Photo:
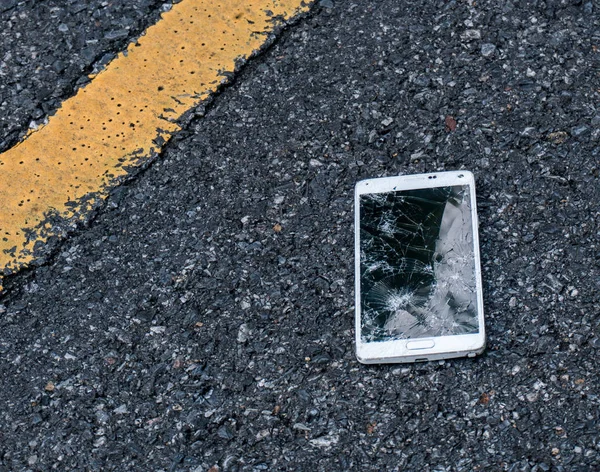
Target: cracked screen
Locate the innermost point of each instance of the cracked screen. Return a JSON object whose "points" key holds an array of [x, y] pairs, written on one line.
{"points": [[417, 264]]}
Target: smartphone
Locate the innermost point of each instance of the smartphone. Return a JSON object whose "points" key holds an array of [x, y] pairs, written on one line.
{"points": [[418, 276]]}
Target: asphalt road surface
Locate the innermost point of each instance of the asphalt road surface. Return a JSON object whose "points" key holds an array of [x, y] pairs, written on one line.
{"points": [[204, 319]]}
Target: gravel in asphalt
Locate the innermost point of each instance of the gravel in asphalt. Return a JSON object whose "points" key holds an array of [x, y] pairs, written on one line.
{"points": [[204, 321]]}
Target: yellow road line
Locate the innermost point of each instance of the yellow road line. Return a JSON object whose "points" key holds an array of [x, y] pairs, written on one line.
{"points": [[123, 116]]}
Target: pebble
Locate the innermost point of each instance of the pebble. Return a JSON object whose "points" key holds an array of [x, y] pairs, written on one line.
{"points": [[488, 49], [225, 432], [102, 416], [116, 34], [579, 131], [121, 410], [301, 427], [244, 333], [325, 441], [6, 5], [529, 237], [471, 34]]}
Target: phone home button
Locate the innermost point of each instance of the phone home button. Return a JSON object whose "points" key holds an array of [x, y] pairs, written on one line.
{"points": [[426, 344]]}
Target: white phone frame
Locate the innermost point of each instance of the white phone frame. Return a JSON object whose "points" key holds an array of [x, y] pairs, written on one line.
{"points": [[444, 347]]}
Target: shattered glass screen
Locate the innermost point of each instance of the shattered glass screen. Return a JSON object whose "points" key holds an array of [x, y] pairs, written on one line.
{"points": [[417, 264]]}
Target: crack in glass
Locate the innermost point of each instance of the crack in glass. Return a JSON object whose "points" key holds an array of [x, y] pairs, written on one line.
{"points": [[417, 264]]}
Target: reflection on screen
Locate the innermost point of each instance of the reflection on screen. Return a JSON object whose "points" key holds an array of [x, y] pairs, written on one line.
{"points": [[417, 264]]}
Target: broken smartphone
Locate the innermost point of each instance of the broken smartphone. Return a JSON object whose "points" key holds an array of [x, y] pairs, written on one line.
{"points": [[418, 276]]}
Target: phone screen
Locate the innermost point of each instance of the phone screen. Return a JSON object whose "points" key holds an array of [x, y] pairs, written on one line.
{"points": [[417, 264]]}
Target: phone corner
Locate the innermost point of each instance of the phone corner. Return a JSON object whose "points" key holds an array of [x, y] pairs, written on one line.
{"points": [[467, 176], [483, 344], [360, 358], [359, 185], [481, 349]]}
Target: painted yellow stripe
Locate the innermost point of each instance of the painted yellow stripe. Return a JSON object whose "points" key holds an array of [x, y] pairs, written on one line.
{"points": [[124, 115]]}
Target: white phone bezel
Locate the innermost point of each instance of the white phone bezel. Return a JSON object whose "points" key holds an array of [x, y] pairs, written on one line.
{"points": [[444, 346]]}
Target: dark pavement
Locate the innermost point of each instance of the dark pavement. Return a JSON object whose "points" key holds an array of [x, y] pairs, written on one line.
{"points": [[205, 318]]}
